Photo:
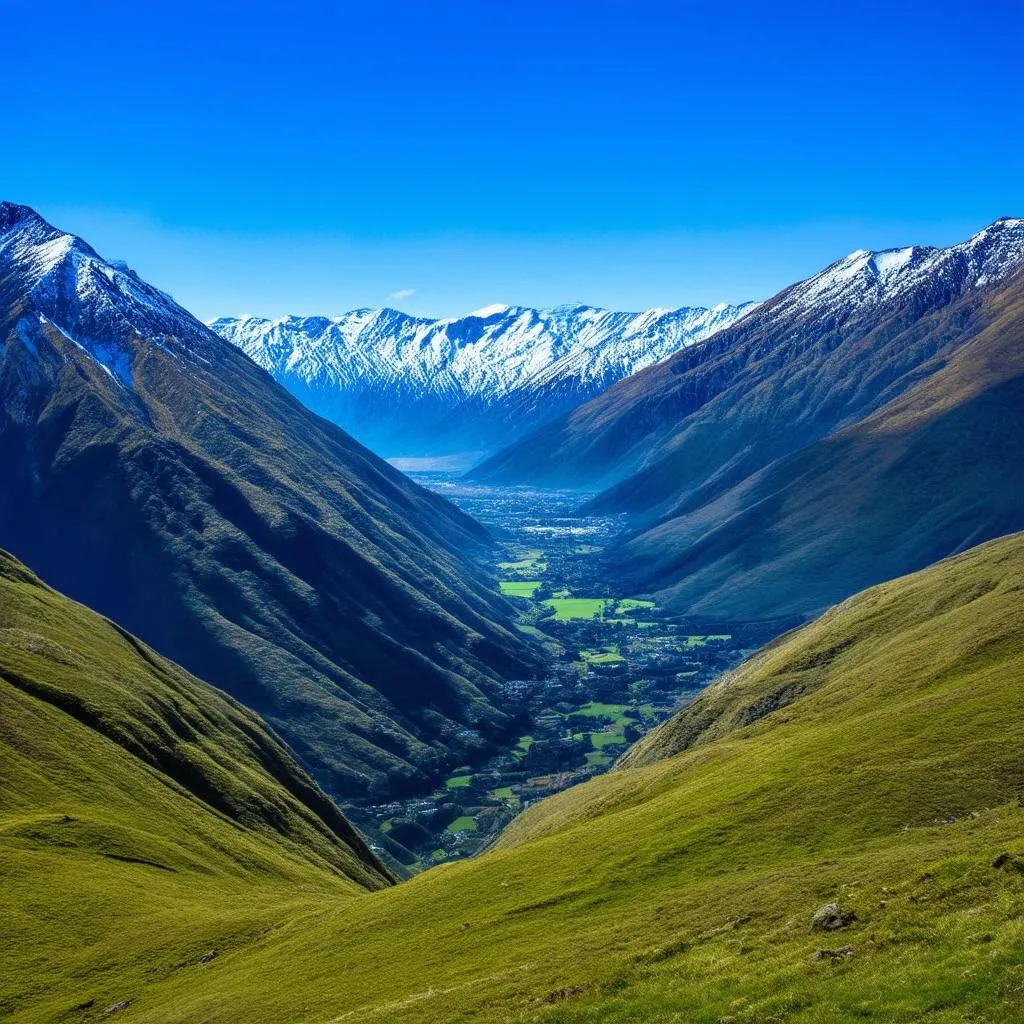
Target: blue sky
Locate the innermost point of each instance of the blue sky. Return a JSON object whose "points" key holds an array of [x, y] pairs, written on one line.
{"points": [[440, 156]]}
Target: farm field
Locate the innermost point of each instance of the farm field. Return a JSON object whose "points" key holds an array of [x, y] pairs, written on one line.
{"points": [[567, 608], [519, 588]]}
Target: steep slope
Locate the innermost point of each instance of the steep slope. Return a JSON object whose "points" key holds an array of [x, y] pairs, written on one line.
{"points": [[408, 386], [155, 473], [139, 805], [821, 355], [933, 471], [871, 758]]}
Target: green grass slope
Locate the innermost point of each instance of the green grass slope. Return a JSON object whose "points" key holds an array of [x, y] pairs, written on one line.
{"points": [[874, 758], [933, 471], [146, 819]]}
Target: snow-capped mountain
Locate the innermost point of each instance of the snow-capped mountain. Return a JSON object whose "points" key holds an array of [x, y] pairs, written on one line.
{"points": [[864, 280], [820, 355], [97, 305], [406, 385], [153, 472]]}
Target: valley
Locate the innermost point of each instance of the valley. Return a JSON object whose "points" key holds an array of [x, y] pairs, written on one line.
{"points": [[512, 514], [619, 665]]}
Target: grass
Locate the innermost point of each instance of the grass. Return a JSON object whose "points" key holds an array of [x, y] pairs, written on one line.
{"points": [[520, 588], [630, 604], [609, 738], [567, 608], [872, 758], [145, 818], [523, 745], [459, 781], [531, 563], [596, 709], [464, 823], [609, 656], [690, 642], [525, 627]]}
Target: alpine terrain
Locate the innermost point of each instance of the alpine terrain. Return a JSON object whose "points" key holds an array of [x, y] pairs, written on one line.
{"points": [[859, 425], [155, 473], [408, 386]]}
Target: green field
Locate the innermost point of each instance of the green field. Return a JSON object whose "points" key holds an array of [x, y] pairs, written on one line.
{"points": [[524, 744], [596, 709], [459, 781], [701, 641], [630, 604], [463, 824], [520, 588], [567, 608], [605, 657], [532, 561]]}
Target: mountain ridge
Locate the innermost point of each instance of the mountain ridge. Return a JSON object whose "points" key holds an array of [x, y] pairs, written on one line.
{"points": [[788, 340], [410, 385]]}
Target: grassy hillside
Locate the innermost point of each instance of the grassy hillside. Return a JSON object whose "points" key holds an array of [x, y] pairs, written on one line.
{"points": [[933, 471], [872, 758], [146, 819]]}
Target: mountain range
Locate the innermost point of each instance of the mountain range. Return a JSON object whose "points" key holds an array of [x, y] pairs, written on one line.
{"points": [[409, 386], [155, 473], [859, 425]]}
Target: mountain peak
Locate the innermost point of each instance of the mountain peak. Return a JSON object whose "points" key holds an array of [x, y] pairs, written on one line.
{"points": [[16, 215], [102, 308], [486, 312]]}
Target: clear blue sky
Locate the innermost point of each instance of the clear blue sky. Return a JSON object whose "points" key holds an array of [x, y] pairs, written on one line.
{"points": [[313, 157]]}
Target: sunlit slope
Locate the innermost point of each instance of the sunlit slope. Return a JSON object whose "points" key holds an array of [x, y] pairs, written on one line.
{"points": [[146, 819], [887, 778]]}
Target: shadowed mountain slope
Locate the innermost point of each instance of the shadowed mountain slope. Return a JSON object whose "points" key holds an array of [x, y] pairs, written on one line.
{"points": [[155, 473], [871, 758], [860, 425]]}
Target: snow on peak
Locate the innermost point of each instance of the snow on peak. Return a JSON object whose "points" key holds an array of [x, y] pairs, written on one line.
{"points": [[864, 279], [488, 353], [103, 308], [891, 261], [496, 309]]}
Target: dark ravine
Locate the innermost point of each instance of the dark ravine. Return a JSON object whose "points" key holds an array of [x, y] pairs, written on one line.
{"points": [[158, 475]]}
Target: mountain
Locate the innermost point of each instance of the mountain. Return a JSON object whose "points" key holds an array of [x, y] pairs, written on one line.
{"points": [[408, 386], [870, 759], [776, 468], [155, 473], [932, 472], [139, 804]]}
